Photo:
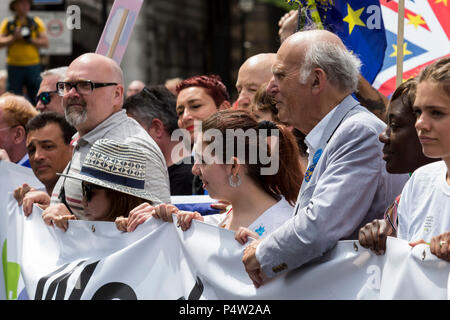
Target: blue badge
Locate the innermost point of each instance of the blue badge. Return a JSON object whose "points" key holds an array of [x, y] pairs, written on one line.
{"points": [[260, 230], [317, 156], [313, 165]]}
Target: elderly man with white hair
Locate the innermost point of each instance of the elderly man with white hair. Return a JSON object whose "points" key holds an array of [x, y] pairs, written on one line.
{"points": [[346, 184]]}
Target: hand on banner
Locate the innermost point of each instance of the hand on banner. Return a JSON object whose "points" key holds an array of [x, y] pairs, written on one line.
{"points": [[62, 222], [242, 234], [374, 234], [164, 212], [287, 24], [54, 211], [121, 223], [252, 265], [41, 198], [137, 216], [20, 192], [184, 219], [439, 246]]}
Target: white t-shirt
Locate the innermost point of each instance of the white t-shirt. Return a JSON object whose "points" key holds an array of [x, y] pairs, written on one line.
{"points": [[424, 208], [267, 222]]}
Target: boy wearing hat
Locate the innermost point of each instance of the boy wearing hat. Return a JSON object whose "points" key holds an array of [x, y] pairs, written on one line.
{"points": [[23, 35]]}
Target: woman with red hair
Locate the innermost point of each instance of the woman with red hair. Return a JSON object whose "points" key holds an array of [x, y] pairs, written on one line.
{"points": [[198, 98]]}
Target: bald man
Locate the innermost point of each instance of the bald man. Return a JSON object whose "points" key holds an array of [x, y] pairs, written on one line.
{"points": [[134, 87], [346, 184], [92, 93], [254, 72]]}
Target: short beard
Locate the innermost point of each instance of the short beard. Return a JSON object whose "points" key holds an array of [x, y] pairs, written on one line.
{"points": [[75, 118]]}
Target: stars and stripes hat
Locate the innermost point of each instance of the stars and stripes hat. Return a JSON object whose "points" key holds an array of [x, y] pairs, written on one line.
{"points": [[115, 166]]}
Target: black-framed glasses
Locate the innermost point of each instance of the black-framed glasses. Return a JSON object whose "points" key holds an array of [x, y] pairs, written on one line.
{"points": [[88, 188], [84, 87], [45, 97]]}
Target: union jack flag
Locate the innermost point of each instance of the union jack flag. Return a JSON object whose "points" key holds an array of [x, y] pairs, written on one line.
{"points": [[426, 39]]}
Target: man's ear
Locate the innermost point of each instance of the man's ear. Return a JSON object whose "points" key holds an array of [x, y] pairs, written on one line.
{"points": [[119, 95], [157, 128], [20, 135], [225, 105], [319, 77]]}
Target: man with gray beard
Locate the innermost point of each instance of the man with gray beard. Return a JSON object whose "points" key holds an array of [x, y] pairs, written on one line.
{"points": [[92, 94], [73, 116]]}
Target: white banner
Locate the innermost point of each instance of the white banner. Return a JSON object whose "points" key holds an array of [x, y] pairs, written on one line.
{"points": [[11, 176], [93, 260]]}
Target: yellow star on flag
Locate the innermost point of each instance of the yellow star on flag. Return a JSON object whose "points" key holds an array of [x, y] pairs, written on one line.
{"points": [[416, 21], [443, 1], [405, 51], [353, 18]]}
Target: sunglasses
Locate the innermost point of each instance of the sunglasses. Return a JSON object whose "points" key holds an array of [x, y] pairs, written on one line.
{"points": [[45, 97], [88, 190]]}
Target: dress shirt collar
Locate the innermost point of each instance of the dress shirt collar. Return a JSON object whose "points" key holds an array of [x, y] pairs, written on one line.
{"points": [[328, 125], [313, 138]]}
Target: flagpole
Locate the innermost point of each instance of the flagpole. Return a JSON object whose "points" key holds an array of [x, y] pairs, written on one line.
{"points": [[400, 41]]}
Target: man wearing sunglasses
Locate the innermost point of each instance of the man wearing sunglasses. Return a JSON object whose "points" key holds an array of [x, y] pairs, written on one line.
{"points": [[48, 98], [92, 96]]}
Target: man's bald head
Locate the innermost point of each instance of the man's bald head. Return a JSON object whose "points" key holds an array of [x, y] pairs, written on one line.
{"points": [[261, 62], [97, 65], [254, 72], [134, 87], [310, 36]]}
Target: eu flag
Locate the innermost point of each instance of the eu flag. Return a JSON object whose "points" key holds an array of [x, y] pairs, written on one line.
{"points": [[359, 24]]}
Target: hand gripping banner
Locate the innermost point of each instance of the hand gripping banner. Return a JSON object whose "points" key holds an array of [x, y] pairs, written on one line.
{"points": [[94, 260]]}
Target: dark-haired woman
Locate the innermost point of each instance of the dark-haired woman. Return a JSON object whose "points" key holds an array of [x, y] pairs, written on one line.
{"points": [[262, 193]]}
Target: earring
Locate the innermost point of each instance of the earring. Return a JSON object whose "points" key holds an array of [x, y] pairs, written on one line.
{"points": [[232, 183]]}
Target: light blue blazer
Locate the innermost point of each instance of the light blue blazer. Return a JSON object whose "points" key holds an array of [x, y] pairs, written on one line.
{"points": [[348, 188]]}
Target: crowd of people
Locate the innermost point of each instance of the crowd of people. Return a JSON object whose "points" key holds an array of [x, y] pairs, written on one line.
{"points": [[343, 169]]}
